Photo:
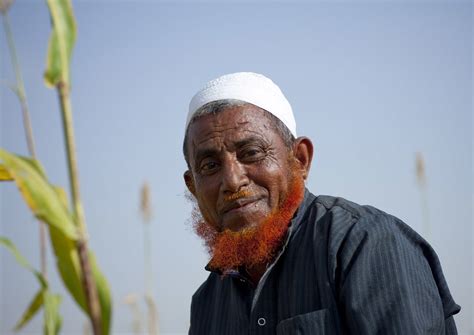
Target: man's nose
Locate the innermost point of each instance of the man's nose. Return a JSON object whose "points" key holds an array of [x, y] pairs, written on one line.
{"points": [[234, 176]]}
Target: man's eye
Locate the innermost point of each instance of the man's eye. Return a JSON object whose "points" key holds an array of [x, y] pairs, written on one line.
{"points": [[252, 153], [208, 166]]}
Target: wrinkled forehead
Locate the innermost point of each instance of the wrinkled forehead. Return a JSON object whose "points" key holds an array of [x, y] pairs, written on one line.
{"points": [[229, 124]]}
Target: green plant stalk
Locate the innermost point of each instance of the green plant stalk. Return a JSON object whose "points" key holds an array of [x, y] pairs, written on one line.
{"points": [[90, 288], [20, 91]]}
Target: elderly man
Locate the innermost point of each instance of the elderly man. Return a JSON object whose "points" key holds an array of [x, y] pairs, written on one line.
{"points": [[283, 261]]}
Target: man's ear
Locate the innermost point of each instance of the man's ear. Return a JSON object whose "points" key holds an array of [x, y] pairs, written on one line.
{"points": [[189, 181], [303, 153]]}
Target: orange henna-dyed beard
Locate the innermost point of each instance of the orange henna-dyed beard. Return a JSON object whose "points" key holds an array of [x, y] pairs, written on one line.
{"points": [[251, 246]]}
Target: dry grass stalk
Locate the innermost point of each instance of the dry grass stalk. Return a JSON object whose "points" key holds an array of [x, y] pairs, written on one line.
{"points": [[5, 5], [152, 315], [420, 170], [146, 212], [132, 301], [422, 183], [145, 205]]}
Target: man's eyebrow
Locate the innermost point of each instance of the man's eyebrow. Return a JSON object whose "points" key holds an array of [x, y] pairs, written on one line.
{"points": [[204, 152], [207, 152], [248, 140]]}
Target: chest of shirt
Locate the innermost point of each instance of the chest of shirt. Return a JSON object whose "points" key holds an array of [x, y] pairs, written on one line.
{"points": [[291, 298]]}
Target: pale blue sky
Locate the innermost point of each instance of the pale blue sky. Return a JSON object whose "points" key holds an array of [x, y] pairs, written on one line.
{"points": [[370, 82]]}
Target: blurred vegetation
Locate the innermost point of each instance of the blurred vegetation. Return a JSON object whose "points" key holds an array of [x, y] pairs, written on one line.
{"points": [[146, 211], [422, 185], [133, 299], [65, 222]]}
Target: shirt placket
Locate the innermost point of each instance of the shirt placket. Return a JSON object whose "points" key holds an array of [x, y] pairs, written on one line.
{"points": [[262, 316]]}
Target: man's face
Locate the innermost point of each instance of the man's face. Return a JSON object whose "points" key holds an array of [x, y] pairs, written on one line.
{"points": [[240, 167]]}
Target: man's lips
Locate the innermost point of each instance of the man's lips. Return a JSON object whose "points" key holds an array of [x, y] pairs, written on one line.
{"points": [[239, 203]]}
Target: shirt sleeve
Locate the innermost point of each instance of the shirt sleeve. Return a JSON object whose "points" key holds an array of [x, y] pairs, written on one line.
{"points": [[389, 282]]}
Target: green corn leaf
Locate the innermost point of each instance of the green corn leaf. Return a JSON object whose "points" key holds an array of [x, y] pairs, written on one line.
{"points": [[16, 253], [62, 196], [32, 309], [52, 319], [4, 175], [61, 42], [42, 298], [37, 301], [69, 266], [40, 196], [22, 260], [68, 263], [103, 291]]}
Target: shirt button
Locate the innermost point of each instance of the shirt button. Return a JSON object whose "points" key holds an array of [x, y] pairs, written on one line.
{"points": [[261, 322]]}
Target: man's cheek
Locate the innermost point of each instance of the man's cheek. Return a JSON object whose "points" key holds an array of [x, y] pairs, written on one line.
{"points": [[208, 214]]}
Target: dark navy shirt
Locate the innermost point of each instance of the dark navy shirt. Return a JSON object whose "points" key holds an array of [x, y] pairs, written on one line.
{"points": [[344, 269]]}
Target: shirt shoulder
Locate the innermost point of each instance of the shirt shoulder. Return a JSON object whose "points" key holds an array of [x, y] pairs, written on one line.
{"points": [[338, 219], [347, 225], [353, 230], [347, 222], [207, 287], [341, 218], [336, 204]]}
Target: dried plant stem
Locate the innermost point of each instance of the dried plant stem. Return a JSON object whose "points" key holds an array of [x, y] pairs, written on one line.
{"points": [[152, 315], [425, 213], [145, 206], [422, 184], [131, 300], [20, 92], [87, 278], [147, 249], [152, 312]]}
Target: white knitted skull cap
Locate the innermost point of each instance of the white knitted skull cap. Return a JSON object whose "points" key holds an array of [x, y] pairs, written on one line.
{"points": [[250, 87]]}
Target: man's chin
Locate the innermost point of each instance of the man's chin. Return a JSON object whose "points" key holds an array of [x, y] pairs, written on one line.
{"points": [[247, 244], [247, 217], [241, 223]]}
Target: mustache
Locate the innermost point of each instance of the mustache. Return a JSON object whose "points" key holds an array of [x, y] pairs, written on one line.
{"points": [[238, 195]]}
